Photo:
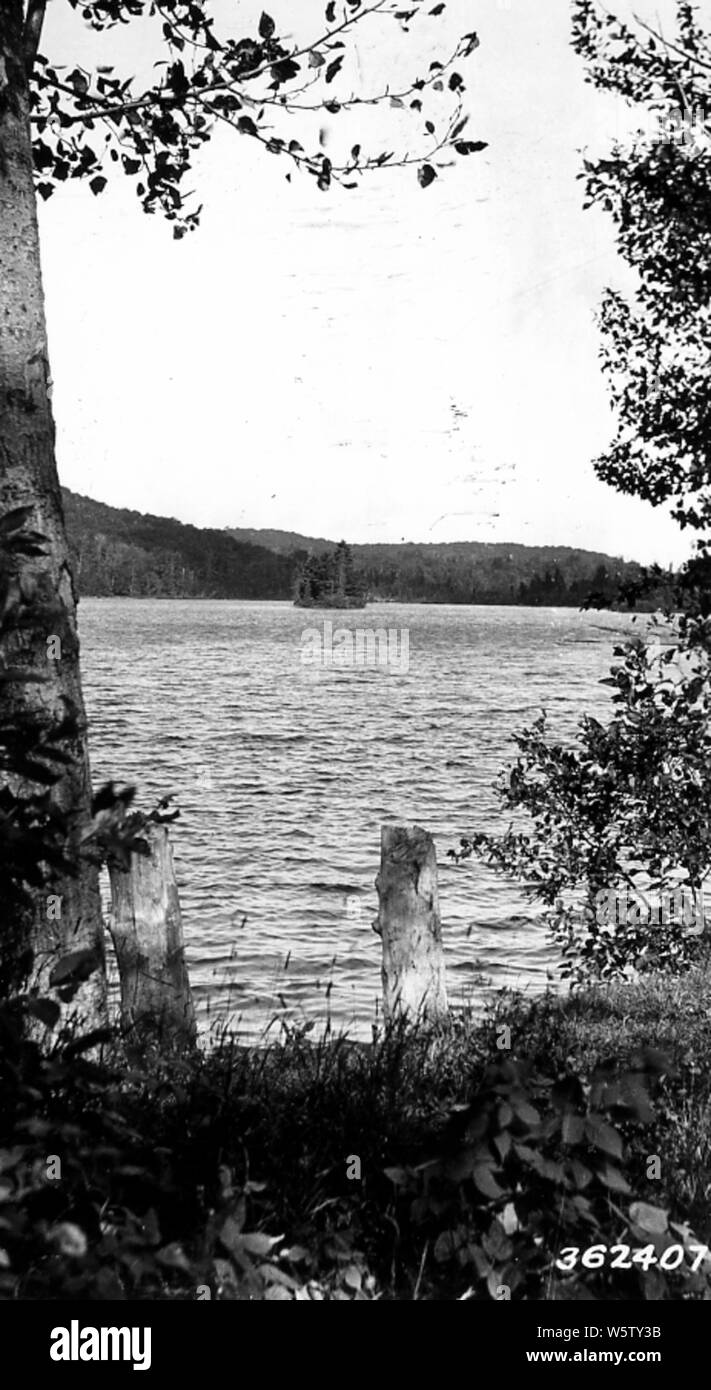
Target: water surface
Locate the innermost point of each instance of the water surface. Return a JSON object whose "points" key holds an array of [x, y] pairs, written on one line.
{"points": [[284, 773]]}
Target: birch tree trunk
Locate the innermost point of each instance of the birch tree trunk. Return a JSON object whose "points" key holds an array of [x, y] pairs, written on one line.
{"points": [[38, 630]]}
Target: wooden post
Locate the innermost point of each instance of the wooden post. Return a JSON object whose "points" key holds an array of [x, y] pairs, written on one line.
{"points": [[147, 931], [409, 924]]}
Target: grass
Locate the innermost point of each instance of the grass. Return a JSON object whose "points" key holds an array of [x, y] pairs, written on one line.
{"points": [[296, 1136], [293, 1114]]}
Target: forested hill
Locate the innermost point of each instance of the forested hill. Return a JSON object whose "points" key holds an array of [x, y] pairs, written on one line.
{"points": [[481, 572], [126, 553]]}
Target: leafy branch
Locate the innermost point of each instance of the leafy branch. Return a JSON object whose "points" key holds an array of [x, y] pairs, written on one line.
{"points": [[154, 134]]}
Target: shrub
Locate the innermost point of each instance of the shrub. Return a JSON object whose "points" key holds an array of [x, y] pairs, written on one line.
{"points": [[626, 807]]}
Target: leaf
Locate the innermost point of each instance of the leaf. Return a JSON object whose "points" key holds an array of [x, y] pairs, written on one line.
{"points": [[470, 146], [231, 1235], [75, 967], [572, 1128], [272, 1274], [603, 1136], [426, 175], [529, 1156], [580, 1174], [258, 1243], [651, 1219], [246, 126], [352, 1277], [486, 1182], [334, 68], [97, 184], [283, 71], [554, 1172], [316, 60], [87, 1041], [46, 1010], [296, 1254], [173, 1257], [613, 1178], [446, 1246], [496, 1243], [526, 1111], [509, 1220], [502, 1143], [224, 1273], [266, 27]]}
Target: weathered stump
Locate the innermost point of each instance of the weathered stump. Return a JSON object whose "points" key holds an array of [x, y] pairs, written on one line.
{"points": [[147, 931], [409, 924]]}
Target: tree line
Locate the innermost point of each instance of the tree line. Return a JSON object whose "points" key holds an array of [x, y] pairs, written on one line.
{"points": [[121, 553]]}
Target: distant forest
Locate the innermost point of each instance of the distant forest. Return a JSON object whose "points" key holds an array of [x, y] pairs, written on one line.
{"points": [[124, 553]]}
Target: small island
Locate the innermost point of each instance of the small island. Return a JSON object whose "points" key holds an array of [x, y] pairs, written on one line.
{"points": [[329, 581]]}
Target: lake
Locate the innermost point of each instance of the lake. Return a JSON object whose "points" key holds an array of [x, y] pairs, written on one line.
{"points": [[287, 751]]}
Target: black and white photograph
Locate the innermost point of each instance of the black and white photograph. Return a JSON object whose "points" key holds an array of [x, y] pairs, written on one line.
{"points": [[355, 669]]}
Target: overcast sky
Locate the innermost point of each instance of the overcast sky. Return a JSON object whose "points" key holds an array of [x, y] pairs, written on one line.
{"points": [[384, 364]]}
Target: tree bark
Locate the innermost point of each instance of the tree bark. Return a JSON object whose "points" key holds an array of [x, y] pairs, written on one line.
{"points": [[37, 596], [409, 924]]}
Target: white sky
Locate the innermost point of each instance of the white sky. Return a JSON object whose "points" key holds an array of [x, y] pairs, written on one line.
{"points": [[299, 360]]}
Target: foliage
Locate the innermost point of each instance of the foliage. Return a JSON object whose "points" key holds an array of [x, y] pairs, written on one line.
{"points": [[109, 1220], [86, 122], [225, 1171], [123, 553], [328, 580], [116, 551], [531, 1177], [36, 848], [627, 807], [657, 188]]}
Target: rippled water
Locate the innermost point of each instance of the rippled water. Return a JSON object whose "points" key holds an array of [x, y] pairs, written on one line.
{"points": [[284, 773]]}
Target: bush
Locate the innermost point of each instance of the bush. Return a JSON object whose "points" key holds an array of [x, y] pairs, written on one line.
{"points": [[625, 809]]}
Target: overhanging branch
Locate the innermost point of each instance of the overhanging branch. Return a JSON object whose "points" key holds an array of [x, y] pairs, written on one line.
{"points": [[673, 47]]}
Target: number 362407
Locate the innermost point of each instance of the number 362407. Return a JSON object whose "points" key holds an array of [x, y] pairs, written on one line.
{"points": [[624, 1257]]}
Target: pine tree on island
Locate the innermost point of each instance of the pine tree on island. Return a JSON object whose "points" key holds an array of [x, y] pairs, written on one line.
{"points": [[329, 581]]}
